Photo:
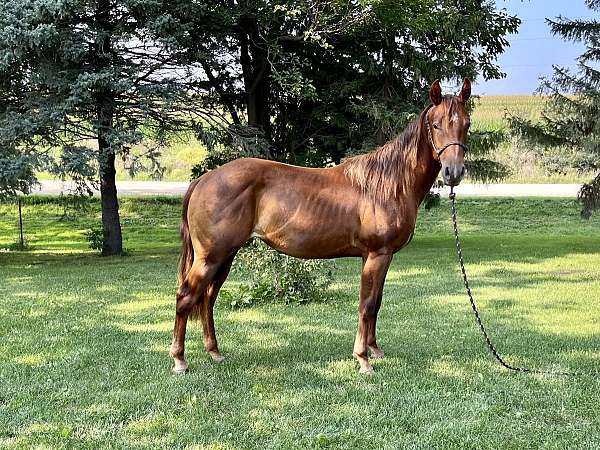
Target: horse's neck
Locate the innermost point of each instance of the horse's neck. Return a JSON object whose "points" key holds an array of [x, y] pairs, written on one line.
{"points": [[426, 172]]}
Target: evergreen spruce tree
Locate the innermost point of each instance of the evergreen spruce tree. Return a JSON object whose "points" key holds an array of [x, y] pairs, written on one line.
{"points": [[81, 81], [568, 134]]}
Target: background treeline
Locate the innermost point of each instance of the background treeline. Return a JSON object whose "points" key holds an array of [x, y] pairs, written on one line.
{"points": [[85, 83]]}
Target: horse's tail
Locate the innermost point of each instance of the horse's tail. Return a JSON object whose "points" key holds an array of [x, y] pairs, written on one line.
{"points": [[186, 258]]}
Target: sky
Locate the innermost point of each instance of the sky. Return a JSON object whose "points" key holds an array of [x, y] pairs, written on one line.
{"points": [[534, 49]]}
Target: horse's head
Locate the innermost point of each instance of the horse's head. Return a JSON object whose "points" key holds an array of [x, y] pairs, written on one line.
{"points": [[447, 123]]}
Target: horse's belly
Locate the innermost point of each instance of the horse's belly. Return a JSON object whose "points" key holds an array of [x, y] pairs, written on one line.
{"points": [[312, 246], [308, 235]]}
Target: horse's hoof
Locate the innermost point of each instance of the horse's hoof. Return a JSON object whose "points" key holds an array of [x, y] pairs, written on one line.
{"points": [[216, 357], [366, 371], [180, 368], [376, 354]]}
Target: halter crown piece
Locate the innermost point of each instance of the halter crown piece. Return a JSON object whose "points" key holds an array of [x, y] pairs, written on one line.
{"points": [[440, 150]]}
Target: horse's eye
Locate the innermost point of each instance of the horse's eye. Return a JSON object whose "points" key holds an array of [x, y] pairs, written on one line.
{"points": [[436, 126]]}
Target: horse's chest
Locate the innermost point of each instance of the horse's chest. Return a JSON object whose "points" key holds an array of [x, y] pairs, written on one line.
{"points": [[402, 235], [389, 230]]}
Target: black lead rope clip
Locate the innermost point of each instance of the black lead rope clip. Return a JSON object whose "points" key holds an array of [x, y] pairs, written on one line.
{"points": [[452, 194]]}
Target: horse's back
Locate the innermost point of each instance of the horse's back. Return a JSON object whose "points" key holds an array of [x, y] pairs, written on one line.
{"points": [[228, 180]]}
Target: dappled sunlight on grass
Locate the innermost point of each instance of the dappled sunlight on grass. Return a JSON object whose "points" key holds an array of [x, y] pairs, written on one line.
{"points": [[159, 327], [148, 424], [399, 274], [265, 340], [250, 315], [146, 303], [335, 370], [445, 368], [31, 360]]}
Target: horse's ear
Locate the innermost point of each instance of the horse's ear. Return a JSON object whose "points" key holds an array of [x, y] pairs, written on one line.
{"points": [[465, 92], [435, 93]]}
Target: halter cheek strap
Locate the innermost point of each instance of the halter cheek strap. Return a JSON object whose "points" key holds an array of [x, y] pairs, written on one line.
{"points": [[440, 150]]}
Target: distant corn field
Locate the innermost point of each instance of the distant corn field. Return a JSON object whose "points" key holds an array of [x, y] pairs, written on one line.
{"points": [[490, 114], [490, 111]]}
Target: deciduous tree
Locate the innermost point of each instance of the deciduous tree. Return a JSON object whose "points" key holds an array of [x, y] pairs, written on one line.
{"points": [[315, 80]]}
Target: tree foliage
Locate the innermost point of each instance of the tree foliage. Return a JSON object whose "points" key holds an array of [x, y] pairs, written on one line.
{"points": [[305, 81], [314, 80], [568, 134]]}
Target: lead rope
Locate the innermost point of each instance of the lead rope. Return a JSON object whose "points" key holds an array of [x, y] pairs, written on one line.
{"points": [[488, 341]]}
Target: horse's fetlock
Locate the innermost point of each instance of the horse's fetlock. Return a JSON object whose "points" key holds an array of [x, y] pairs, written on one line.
{"points": [[176, 351], [210, 345]]}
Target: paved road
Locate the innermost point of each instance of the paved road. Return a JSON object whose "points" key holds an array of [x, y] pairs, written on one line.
{"points": [[469, 190], [123, 187], [517, 190]]}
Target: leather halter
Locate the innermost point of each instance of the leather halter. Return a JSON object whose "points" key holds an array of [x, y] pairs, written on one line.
{"points": [[440, 150]]}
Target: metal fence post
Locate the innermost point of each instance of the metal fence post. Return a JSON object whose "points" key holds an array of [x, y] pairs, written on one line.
{"points": [[21, 225]]}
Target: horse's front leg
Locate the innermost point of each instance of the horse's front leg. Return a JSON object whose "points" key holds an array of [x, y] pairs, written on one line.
{"points": [[376, 352], [375, 268]]}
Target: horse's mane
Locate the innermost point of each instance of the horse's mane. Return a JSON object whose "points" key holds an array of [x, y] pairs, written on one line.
{"points": [[387, 171]]}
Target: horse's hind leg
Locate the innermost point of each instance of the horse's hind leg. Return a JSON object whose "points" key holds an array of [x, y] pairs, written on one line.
{"points": [[208, 303], [189, 295]]}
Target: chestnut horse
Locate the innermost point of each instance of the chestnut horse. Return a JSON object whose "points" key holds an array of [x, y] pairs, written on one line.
{"points": [[366, 207]]}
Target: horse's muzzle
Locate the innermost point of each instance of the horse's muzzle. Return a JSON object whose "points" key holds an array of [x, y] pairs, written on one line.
{"points": [[453, 174]]}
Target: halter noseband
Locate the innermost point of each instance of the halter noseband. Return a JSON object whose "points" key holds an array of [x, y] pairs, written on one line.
{"points": [[441, 150]]}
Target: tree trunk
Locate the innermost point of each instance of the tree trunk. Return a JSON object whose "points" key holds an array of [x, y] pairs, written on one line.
{"points": [[105, 109], [111, 223], [256, 69], [382, 135]]}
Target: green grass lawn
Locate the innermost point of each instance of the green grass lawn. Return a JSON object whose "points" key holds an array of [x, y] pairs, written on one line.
{"points": [[84, 341]]}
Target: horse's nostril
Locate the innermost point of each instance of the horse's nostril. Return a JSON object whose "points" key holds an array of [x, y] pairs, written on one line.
{"points": [[447, 172]]}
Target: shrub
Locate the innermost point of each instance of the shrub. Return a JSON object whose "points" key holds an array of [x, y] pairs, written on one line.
{"points": [[18, 246], [432, 200], [274, 277], [95, 238]]}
